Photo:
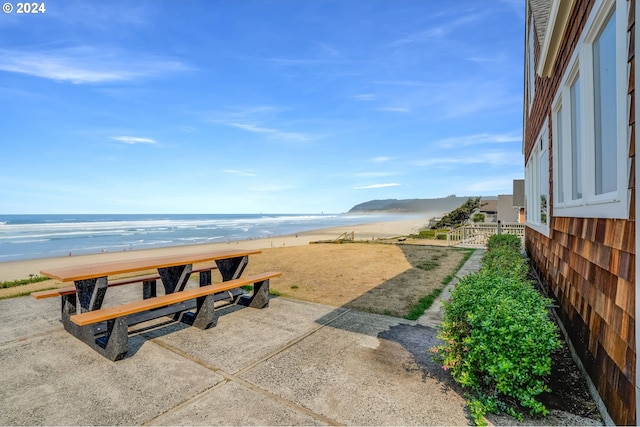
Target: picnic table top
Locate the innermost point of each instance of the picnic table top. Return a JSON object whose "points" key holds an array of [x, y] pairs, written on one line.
{"points": [[108, 268]]}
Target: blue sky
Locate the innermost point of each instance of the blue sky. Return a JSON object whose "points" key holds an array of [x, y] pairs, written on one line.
{"points": [[280, 106]]}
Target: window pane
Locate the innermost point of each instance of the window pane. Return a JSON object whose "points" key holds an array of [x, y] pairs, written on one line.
{"points": [[576, 142], [543, 166], [560, 156], [604, 73]]}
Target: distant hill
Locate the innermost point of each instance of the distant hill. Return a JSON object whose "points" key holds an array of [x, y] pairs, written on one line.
{"points": [[440, 205]]}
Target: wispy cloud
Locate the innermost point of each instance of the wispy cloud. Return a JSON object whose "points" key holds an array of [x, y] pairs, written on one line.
{"points": [[252, 119], [381, 159], [492, 186], [372, 186], [483, 138], [372, 174], [395, 109], [437, 32], [365, 97], [133, 140], [275, 133], [491, 157], [238, 172], [85, 65]]}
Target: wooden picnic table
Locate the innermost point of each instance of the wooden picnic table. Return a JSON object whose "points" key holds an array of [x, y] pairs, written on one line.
{"points": [[105, 329]]}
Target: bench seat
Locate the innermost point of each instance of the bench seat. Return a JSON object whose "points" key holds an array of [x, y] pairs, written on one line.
{"points": [[118, 282], [110, 313]]}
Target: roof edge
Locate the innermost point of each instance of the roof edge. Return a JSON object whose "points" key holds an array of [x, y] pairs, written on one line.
{"points": [[558, 20]]}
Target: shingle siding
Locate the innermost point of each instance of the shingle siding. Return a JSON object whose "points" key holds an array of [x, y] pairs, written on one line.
{"points": [[588, 264]]}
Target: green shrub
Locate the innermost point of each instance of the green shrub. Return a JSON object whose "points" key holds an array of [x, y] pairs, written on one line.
{"points": [[502, 261], [497, 336], [426, 234], [432, 234], [509, 240], [458, 215], [478, 217]]}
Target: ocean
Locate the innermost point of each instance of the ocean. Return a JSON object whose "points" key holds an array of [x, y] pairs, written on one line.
{"points": [[43, 236]]}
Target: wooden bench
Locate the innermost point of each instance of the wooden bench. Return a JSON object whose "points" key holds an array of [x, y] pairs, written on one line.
{"points": [[109, 313], [112, 283], [106, 329]]}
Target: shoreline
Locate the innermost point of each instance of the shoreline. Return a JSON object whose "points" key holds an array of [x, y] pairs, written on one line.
{"points": [[22, 269]]}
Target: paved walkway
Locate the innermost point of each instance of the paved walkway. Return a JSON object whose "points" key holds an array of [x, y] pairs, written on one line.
{"points": [[293, 363], [433, 315]]}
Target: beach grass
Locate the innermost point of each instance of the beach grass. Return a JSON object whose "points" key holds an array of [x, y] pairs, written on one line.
{"points": [[22, 282]]}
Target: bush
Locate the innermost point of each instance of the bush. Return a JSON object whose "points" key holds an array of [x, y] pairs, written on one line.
{"points": [[478, 217], [432, 234], [501, 240], [426, 234], [459, 215], [497, 335]]}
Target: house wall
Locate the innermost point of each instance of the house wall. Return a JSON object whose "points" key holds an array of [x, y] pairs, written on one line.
{"points": [[588, 264], [506, 211]]}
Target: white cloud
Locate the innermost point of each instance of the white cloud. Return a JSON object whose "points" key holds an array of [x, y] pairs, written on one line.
{"points": [[492, 157], [239, 172], [133, 140], [372, 186], [483, 138], [365, 97], [396, 109], [276, 133], [492, 186], [437, 32], [372, 174], [381, 159], [84, 65]]}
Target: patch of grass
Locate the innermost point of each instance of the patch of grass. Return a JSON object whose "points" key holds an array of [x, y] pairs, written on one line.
{"points": [[31, 279], [249, 288], [467, 255], [425, 302], [294, 287], [428, 265]]}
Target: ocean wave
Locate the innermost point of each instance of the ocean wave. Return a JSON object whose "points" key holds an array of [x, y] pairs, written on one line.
{"points": [[46, 236]]}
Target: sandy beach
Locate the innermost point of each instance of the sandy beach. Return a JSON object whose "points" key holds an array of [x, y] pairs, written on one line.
{"points": [[14, 270]]}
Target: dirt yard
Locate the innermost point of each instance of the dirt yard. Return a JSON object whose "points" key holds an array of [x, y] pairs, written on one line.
{"points": [[379, 278]]}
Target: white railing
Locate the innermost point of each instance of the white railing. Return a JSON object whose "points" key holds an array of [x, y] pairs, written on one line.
{"points": [[477, 235]]}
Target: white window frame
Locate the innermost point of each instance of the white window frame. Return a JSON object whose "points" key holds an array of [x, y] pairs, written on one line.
{"points": [[531, 71], [614, 204], [537, 184]]}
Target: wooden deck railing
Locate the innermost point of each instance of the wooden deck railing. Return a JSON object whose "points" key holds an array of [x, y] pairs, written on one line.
{"points": [[477, 235]]}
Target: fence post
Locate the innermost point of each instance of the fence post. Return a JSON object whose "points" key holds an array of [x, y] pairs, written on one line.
{"points": [[499, 227]]}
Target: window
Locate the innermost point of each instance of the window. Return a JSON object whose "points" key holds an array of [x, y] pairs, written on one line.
{"points": [[604, 82], [590, 127], [537, 184], [576, 141], [559, 152]]}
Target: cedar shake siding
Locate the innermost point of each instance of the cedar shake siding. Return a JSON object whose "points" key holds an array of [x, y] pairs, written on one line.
{"points": [[588, 264]]}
